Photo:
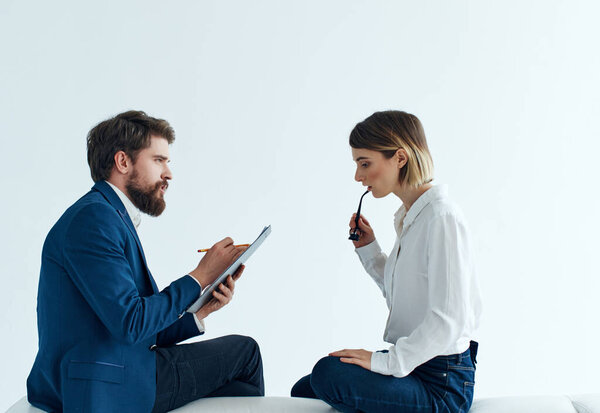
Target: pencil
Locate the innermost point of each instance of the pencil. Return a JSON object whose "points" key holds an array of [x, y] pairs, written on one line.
{"points": [[241, 245]]}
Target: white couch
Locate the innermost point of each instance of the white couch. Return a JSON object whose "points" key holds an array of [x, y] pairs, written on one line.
{"points": [[588, 403]]}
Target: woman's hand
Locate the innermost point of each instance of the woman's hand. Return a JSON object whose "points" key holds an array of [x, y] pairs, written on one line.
{"points": [[360, 357], [365, 231], [220, 298]]}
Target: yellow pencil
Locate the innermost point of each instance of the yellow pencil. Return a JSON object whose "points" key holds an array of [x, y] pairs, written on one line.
{"points": [[241, 245]]}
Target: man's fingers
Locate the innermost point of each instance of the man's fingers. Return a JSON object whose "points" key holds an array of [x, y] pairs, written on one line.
{"points": [[225, 242], [212, 303], [238, 273], [225, 291], [220, 297], [238, 251], [230, 283]]}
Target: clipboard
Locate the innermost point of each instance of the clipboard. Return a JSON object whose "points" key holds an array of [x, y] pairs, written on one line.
{"points": [[241, 260]]}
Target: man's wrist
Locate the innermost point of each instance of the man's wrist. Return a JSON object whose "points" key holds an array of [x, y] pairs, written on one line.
{"points": [[195, 279], [199, 277]]}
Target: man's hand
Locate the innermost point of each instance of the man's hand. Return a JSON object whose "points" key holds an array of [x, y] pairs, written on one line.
{"points": [[221, 295], [215, 261], [361, 357]]}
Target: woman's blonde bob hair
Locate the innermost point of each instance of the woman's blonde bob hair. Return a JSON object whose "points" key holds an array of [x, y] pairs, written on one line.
{"points": [[390, 130]]}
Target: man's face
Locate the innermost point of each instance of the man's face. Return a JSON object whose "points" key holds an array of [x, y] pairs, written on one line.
{"points": [[148, 181]]}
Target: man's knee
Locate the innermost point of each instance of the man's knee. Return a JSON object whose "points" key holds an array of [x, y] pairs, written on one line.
{"points": [[245, 342]]}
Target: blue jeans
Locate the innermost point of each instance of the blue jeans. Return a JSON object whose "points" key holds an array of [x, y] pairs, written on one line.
{"points": [[443, 384]]}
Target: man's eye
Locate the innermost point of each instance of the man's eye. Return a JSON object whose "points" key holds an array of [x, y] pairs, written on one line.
{"points": [[364, 165]]}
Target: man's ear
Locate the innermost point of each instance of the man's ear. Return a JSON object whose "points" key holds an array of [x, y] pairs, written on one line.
{"points": [[401, 157], [122, 162]]}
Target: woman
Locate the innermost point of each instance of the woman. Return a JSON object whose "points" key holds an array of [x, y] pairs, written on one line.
{"points": [[428, 281]]}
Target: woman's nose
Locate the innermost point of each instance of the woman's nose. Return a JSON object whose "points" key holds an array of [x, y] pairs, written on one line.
{"points": [[357, 177]]}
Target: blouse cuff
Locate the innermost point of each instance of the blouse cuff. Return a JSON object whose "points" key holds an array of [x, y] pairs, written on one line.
{"points": [[369, 251], [379, 362]]}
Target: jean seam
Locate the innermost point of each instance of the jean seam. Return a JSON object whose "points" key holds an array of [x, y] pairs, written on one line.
{"points": [[461, 368], [460, 409], [379, 401], [447, 378], [175, 387]]}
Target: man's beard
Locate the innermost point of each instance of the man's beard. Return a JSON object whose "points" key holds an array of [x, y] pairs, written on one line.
{"points": [[147, 199]]}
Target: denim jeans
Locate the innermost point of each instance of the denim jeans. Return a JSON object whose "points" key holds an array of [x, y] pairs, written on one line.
{"points": [[224, 366], [443, 384]]}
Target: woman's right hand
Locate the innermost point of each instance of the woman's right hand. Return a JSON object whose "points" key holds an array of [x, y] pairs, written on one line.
{"points": [[366, 234]]}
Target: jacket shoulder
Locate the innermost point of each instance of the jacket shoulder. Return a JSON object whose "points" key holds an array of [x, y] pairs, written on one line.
{"points": [[91, 212]]}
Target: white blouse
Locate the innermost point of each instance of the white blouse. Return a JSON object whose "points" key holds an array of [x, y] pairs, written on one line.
{"points": [[429, 284]]}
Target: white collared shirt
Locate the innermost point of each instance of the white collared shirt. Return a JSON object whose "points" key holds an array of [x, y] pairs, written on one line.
{"points": [[134, 213], [429, 284], [136, 217]]}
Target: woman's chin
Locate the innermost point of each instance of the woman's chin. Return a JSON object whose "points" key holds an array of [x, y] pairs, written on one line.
{"points": [[378, 194]]}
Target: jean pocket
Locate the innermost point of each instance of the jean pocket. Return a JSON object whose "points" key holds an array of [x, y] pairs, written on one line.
{"points": [[187, 381], [468, 388], [96, 370], [431, 374]]}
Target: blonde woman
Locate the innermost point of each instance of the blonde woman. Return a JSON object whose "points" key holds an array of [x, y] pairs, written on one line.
{"points": [[428, 282]]}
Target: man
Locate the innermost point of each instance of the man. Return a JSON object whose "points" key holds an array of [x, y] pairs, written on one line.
{"points": [[107, 335]]}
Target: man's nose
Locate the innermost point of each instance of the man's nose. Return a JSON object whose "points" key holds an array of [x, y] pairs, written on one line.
{"points": [[167, 174]]}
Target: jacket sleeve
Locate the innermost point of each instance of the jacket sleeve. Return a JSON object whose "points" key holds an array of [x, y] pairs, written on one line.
{"points": [[182, 329], [94, 258]]}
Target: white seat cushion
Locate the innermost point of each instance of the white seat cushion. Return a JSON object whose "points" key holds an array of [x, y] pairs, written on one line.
{"points": [[587, 403], [256, 404], [23, 406], [227, 405], [525, 404]]}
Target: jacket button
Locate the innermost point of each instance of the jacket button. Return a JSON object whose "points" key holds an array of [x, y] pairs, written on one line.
{"points": [[152, 347]]}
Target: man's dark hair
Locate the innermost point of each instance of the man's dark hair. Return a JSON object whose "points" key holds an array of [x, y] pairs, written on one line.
{"points": [[129, 132]]}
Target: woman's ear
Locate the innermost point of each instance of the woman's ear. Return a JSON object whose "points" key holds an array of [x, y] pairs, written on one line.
{"points": [[401, 157]]}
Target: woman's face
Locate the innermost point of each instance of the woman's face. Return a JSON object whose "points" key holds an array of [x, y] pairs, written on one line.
{"points": [[376, 171]]}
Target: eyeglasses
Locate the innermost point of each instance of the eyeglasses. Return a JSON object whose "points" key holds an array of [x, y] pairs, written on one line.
{"points": [[354, 236]]}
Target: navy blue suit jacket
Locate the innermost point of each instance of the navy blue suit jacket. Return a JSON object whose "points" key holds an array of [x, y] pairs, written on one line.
{"points": [[99, 312]]}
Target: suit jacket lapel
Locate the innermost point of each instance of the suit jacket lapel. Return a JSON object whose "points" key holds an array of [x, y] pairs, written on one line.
{"points": [[114, 200]]}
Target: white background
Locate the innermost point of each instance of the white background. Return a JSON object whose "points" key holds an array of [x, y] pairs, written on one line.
{"points": [[262, 96]]}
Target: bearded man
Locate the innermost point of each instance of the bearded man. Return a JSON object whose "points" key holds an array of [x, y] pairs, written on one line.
{"points": [[107, 335]]}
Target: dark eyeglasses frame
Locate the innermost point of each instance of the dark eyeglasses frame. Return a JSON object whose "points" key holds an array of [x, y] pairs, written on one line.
{"points": [[354, 235]]}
